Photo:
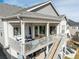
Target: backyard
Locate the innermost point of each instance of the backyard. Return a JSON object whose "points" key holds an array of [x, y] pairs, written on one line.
{"points": [[75, 45]]}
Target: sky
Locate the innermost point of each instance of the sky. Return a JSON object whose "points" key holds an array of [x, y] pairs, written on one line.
{"points": [[70, 8]]}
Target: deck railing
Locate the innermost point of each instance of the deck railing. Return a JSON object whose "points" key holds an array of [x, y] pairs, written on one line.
{"points": [[38, 44], [55, 49], [33, 46]]}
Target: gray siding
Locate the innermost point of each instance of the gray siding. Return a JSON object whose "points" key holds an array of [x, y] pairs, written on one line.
{"points": [[1, 33], [47, 10]]}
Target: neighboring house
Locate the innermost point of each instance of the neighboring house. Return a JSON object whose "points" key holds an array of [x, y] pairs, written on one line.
{"points": [[41, 20], [73, 27]]}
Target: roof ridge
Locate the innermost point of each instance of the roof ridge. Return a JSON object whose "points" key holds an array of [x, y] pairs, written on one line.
{"points": [[33, 6]]}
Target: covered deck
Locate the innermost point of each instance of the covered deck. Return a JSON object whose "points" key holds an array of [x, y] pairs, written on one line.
{"points": [[27, 34]]}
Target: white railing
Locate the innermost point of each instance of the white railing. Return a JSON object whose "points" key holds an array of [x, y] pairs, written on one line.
{"points": [[38, 44], [32, 46], [53, 53]]}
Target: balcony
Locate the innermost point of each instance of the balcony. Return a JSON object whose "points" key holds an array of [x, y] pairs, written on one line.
{"points": [[32, 46]]}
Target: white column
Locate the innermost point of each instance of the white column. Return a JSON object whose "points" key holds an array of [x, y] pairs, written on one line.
{"points": [[47, 29], [58, 29], [23, 32], [23, 37], [33, 31], [6, 33], [47, 34]]}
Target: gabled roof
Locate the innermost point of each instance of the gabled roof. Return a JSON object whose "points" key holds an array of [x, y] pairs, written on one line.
{"points": [[7, 10], [13, 11], [72, 23], [34, 7]]}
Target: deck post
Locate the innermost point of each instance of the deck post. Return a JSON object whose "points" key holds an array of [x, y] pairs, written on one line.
{"points": [[23, 37], [6, 33], [47, 34]]}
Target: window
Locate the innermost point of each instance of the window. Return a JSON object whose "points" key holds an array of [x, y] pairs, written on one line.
{"points": [[36, 30], [17, 31], [67, 27], [42, 29], [74, 27], [52, 30], [1, 34], [63, 28]]}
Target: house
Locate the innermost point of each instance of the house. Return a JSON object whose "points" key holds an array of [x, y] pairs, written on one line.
{"points": [[73, 27], [26, 24]]}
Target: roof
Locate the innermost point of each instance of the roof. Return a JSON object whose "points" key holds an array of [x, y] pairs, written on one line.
{"points": [[34, 7], [35, 15], [72, 23], [38, 15], [6, 9]]}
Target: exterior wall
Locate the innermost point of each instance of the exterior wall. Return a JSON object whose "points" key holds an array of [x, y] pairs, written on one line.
{"points": [[47, 10], [62, 27], [2, 40], [10, 53], [10, 30]]}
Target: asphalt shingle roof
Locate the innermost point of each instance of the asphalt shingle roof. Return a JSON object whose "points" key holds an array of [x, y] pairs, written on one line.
{"points": [[7, 10], [72, 23], [24, 9], [35, 15], [38, 15]]}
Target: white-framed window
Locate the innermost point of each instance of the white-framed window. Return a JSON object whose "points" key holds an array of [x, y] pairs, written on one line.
{"points": [[17, 31], [42, 29], [63, 28]]}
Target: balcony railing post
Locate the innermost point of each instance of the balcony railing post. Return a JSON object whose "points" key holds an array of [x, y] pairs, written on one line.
{"points": [[6, 33], [23, 37], [47, 34]]}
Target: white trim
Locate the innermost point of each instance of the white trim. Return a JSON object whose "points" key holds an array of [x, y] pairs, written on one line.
{"points": [[47, 28], [23, 31], [47, 34], [38, 6], [6, 33], [23, 37], [34, 21]]}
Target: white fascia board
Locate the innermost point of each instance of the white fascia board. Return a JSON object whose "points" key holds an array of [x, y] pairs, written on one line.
{"points": [[38, 6]]}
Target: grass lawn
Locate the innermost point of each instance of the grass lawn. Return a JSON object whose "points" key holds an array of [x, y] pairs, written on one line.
{"points": [[77, 54], [72, 45], [67, 58], [76, 47]]}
